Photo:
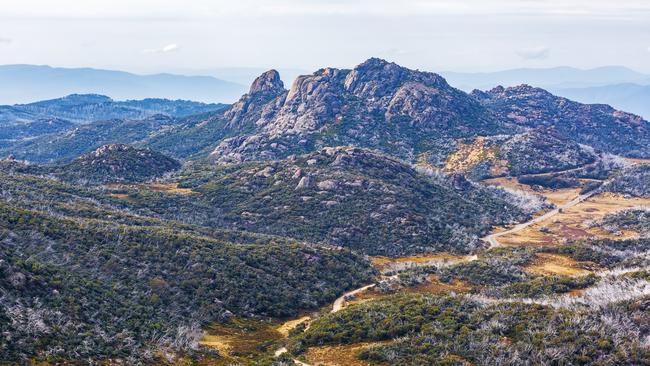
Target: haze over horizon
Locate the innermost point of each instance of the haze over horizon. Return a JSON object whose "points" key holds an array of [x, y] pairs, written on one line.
{"points": [[167, 36]]}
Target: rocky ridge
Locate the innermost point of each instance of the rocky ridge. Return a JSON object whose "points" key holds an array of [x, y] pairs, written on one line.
{"points": [[597, 125], [377, 104]]}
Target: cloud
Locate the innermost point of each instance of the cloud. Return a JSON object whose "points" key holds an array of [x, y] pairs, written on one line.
{"points": [[165, 49], [534, 53], [4, 40]]}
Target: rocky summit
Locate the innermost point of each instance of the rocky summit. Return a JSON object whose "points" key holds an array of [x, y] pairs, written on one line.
{"points": [[377, 104], [407, 113], [118, 163]]}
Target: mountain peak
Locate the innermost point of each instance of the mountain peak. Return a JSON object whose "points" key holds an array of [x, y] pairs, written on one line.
{"points": [[374, 62], [267, 82], [366, 76], [118, 163]]}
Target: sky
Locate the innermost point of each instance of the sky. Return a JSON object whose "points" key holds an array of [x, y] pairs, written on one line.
{"points": [[147, 36]]}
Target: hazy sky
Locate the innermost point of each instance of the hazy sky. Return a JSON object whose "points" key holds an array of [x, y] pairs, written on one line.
{"points": [[459, 35]]}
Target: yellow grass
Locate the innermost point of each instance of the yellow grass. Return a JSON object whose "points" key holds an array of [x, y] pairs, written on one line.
{"points": [[423, 161], [171, 188], [339, 355], [168, 188], [434, 286], [119, 195], [638, 161], [290, 325], [574, 222], [220, 343], [384, 264], [469, 155], [553, 264], [240, 340], [555, 196]]}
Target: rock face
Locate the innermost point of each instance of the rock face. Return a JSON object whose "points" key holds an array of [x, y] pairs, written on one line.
{"points": [[268, 82], [260, 102], [377, 104], [597, 125], [118, 163]]}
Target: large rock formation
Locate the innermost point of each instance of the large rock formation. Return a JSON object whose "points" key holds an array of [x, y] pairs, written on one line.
{"points": [[377, 104]]}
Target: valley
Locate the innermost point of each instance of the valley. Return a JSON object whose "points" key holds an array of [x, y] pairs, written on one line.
{"points": [[371, 216], [572, 219]]}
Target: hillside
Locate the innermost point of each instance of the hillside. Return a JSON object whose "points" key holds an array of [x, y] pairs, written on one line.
{"points": [[11, 132], [118, 163], [344, 196], [371, 216], [634, 181], [84, 108], [27, 83], [597, 125], [460, 330], [413, 115], [94, 283], [406, 113], [540, 150], [65, 128], [66, 145]]}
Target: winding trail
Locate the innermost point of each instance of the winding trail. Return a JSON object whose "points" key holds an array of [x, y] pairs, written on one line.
{"points": [[338, 303], [492, 238]]}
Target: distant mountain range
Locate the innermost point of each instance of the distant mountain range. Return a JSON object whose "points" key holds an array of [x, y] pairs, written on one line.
{"points": [[416, 116], [29, 83], [618, 86], [82, 122], [627, 96], [549, 78], [84, 108]]}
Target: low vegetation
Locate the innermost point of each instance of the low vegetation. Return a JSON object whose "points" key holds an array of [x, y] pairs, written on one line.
{"points": [[634, 181], [444, 330], [80, 280], [345, 196]]}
